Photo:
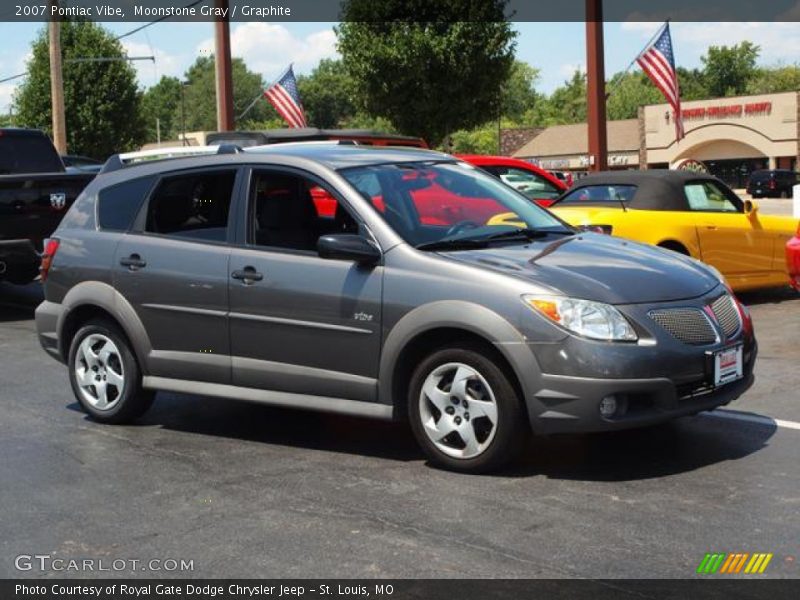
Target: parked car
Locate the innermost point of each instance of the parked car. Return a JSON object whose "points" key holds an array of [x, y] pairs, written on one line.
{"points": [[564, 176], [776, 183], [691, 213], [35, 192], [793, 259], [215, 275], [535, 183], [84, 164], [246, 139]]}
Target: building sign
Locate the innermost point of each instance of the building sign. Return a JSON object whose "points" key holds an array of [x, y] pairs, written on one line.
{"points": [[725, 111], [556, 163]]}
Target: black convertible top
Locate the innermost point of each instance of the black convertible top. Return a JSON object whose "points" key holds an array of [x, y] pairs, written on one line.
{"points": [[657, 189]]}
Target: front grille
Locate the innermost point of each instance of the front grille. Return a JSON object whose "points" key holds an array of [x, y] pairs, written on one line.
{"points": [[688, 325], [727, 315]]}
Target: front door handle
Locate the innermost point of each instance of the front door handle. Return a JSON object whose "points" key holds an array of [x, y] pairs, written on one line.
{"points": [[133, 262], [247, 275], [711, 227]]}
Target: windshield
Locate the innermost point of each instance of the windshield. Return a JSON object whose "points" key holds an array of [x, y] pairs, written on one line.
{"points": [[444, 202], [527, 183]]}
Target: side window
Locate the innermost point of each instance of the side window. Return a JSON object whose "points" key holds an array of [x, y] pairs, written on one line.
{"points": [[119, 204], [194, 205], [528, 183], [601, 194], [707, 196], [291, 211]]}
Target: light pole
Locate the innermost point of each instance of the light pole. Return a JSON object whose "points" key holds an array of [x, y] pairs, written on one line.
{"points": [[183, 112], [596, 87]]}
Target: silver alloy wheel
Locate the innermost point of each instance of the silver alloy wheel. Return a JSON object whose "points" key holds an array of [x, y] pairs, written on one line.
{"points": [[99, 372], [458, 410]]}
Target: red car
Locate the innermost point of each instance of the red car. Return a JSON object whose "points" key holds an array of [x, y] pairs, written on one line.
{"points": [[537, 184], [793, 259]]}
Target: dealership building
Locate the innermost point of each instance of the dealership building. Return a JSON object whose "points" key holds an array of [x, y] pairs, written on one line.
{"points": [[731, 136]]}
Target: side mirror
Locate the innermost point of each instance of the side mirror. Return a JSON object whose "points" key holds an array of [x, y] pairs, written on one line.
{"points": [[750, 208], [348, 246]]}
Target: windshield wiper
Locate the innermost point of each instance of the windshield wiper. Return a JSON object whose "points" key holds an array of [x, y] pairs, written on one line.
{"points": [[525, 233], [454, 244]]}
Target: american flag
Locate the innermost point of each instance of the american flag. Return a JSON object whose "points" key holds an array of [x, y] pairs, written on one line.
{"points": [[283, 95], [658, 62]]}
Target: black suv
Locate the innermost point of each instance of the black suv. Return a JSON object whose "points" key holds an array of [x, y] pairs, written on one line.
{"points": [[777, 183]]}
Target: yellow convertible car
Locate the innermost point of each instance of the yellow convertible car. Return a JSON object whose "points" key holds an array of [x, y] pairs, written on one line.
{"points": [[691, 213]]}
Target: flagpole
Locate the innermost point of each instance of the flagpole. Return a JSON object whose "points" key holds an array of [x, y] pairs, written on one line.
{"points": [[257, 98], [633, 62]]}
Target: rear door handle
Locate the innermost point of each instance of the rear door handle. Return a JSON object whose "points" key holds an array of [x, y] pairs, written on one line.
{"points": [[711, 227], [247, 275], [133, 262]]}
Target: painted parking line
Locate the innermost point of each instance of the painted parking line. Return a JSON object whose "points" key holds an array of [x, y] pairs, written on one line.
{"points": [[751, 418]]}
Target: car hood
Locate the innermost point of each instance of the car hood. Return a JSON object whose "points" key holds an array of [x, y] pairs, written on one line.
{"points": [[597, 267]]}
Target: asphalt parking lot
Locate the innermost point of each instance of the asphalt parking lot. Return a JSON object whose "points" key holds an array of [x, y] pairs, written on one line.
{"points": [[248, 491]]}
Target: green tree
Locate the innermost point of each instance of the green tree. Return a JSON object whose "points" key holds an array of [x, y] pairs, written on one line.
{"points": [[627, 92], [431, 68], [161, 107], [693, 84], [785, 78], [327, 94], [567, 104], [519, 93], [102, 100], [727, 70], [200, 96]]}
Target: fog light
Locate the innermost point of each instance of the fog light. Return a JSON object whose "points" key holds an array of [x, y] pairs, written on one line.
{"points": [[608, 407]]}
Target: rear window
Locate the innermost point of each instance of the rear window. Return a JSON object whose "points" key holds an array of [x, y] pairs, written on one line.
{"points": [[760, 175], [707, 196], [606, 194], [119, 204], [28, 154]]}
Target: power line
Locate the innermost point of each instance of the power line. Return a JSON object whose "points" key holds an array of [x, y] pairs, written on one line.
{"points": [[116, 39]]}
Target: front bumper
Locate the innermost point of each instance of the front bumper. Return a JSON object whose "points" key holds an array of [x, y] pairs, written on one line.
{"points": [[654, 380], [572, 404]]}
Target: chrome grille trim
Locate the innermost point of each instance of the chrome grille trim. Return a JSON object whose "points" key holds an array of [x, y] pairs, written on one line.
{"points": [[724, 309], [688, 325]]}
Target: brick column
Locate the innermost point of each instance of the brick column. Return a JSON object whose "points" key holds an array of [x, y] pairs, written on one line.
{"points": [[642, 141]]}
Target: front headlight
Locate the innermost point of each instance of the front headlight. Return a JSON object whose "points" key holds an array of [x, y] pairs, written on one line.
{"points": [[593, 320]]}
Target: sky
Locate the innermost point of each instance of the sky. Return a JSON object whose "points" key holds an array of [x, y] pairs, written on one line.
{"points": [[556, 49]]}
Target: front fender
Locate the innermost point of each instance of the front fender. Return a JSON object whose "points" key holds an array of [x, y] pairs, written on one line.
{"points": [[474, 318]]}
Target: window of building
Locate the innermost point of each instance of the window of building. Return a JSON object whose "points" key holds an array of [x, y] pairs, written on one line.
{"points": [[291, 212], [194, 205]]}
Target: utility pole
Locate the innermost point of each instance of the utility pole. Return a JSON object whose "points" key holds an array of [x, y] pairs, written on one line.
{"points": [[57, 85], [596, 86], [222, 60]]}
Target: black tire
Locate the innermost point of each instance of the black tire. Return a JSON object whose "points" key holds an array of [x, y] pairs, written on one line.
{"points": [[133, 401], [511, 430], [784, 195]]}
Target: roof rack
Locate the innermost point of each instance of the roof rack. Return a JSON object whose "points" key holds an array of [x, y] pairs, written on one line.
{"points": [[120, 161]]}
